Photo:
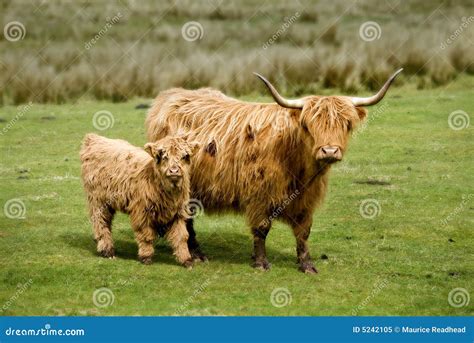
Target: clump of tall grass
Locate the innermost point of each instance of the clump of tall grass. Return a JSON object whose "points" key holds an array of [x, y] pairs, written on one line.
{"points": [[145, 51]]}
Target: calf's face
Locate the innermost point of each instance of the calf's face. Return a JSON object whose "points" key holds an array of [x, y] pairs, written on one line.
{"points": [[172, 160]]}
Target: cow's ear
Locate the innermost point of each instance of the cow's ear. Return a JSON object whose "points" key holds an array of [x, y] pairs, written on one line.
{"points": [[361, 112], [194, 146], [149, 149]]}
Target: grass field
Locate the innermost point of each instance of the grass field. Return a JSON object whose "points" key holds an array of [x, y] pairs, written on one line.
{"points": [[404, 261]]}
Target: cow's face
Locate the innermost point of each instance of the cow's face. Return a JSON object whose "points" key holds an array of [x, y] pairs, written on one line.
{"points": [[329, 120], [172, 160]]}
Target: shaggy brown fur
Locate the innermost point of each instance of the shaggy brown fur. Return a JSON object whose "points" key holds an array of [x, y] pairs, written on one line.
{"points": [[150, 185], [257, 158]]}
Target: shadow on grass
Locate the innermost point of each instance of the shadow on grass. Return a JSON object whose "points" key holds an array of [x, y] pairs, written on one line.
{"points": [[229, 247]]}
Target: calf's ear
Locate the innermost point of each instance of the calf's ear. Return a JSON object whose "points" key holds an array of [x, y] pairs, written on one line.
{"points": [[194, 146], [149, 149]]}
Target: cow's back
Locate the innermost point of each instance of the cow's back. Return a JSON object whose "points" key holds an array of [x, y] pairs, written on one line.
{"points": [[244, 152]]}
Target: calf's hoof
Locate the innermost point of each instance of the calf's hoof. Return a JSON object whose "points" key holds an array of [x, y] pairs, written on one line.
{"points": [[107, 253], [308, 268], [263, 265], [146, 260]]}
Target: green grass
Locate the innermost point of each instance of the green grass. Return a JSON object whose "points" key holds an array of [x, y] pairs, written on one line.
{"points": [[407, 248]]}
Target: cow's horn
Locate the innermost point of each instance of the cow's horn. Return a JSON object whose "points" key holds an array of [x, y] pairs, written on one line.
{"points": [[372, 100], [288, 103]]}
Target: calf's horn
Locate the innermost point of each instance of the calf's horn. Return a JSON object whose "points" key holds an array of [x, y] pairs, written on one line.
{"points": [[288, 103], [372, 100]]}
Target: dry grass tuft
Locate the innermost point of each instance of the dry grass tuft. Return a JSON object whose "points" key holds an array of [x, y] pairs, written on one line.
{"points": [[144, 52]]}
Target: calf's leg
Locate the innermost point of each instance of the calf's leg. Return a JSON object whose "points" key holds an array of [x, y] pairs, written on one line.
{"points": [[145, 237], [101, 217], [178, 236]]}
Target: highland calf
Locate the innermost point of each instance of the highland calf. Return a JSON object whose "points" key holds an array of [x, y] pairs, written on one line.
{"points": [[268, 161], [150, 185]]}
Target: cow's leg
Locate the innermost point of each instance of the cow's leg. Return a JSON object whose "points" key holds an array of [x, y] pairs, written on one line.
{"points": [[193, 244], [259, 252], [178, 236], [101, 218], [301, 230]]}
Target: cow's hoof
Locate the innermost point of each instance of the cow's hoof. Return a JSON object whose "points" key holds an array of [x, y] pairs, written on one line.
{"points": [[146, 260], [263, 265], [188, 264], [308, 268], [198, 256], [107, 253]]}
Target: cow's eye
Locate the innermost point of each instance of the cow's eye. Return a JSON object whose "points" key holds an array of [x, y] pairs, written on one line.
{"points": [[186, 158], [349, 126]]}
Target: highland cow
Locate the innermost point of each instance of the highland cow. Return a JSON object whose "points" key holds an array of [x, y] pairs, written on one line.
{"points": [[269, 161], [151, 185]]}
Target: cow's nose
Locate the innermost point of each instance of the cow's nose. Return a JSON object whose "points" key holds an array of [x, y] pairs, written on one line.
{"points": [[329, 152]]}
